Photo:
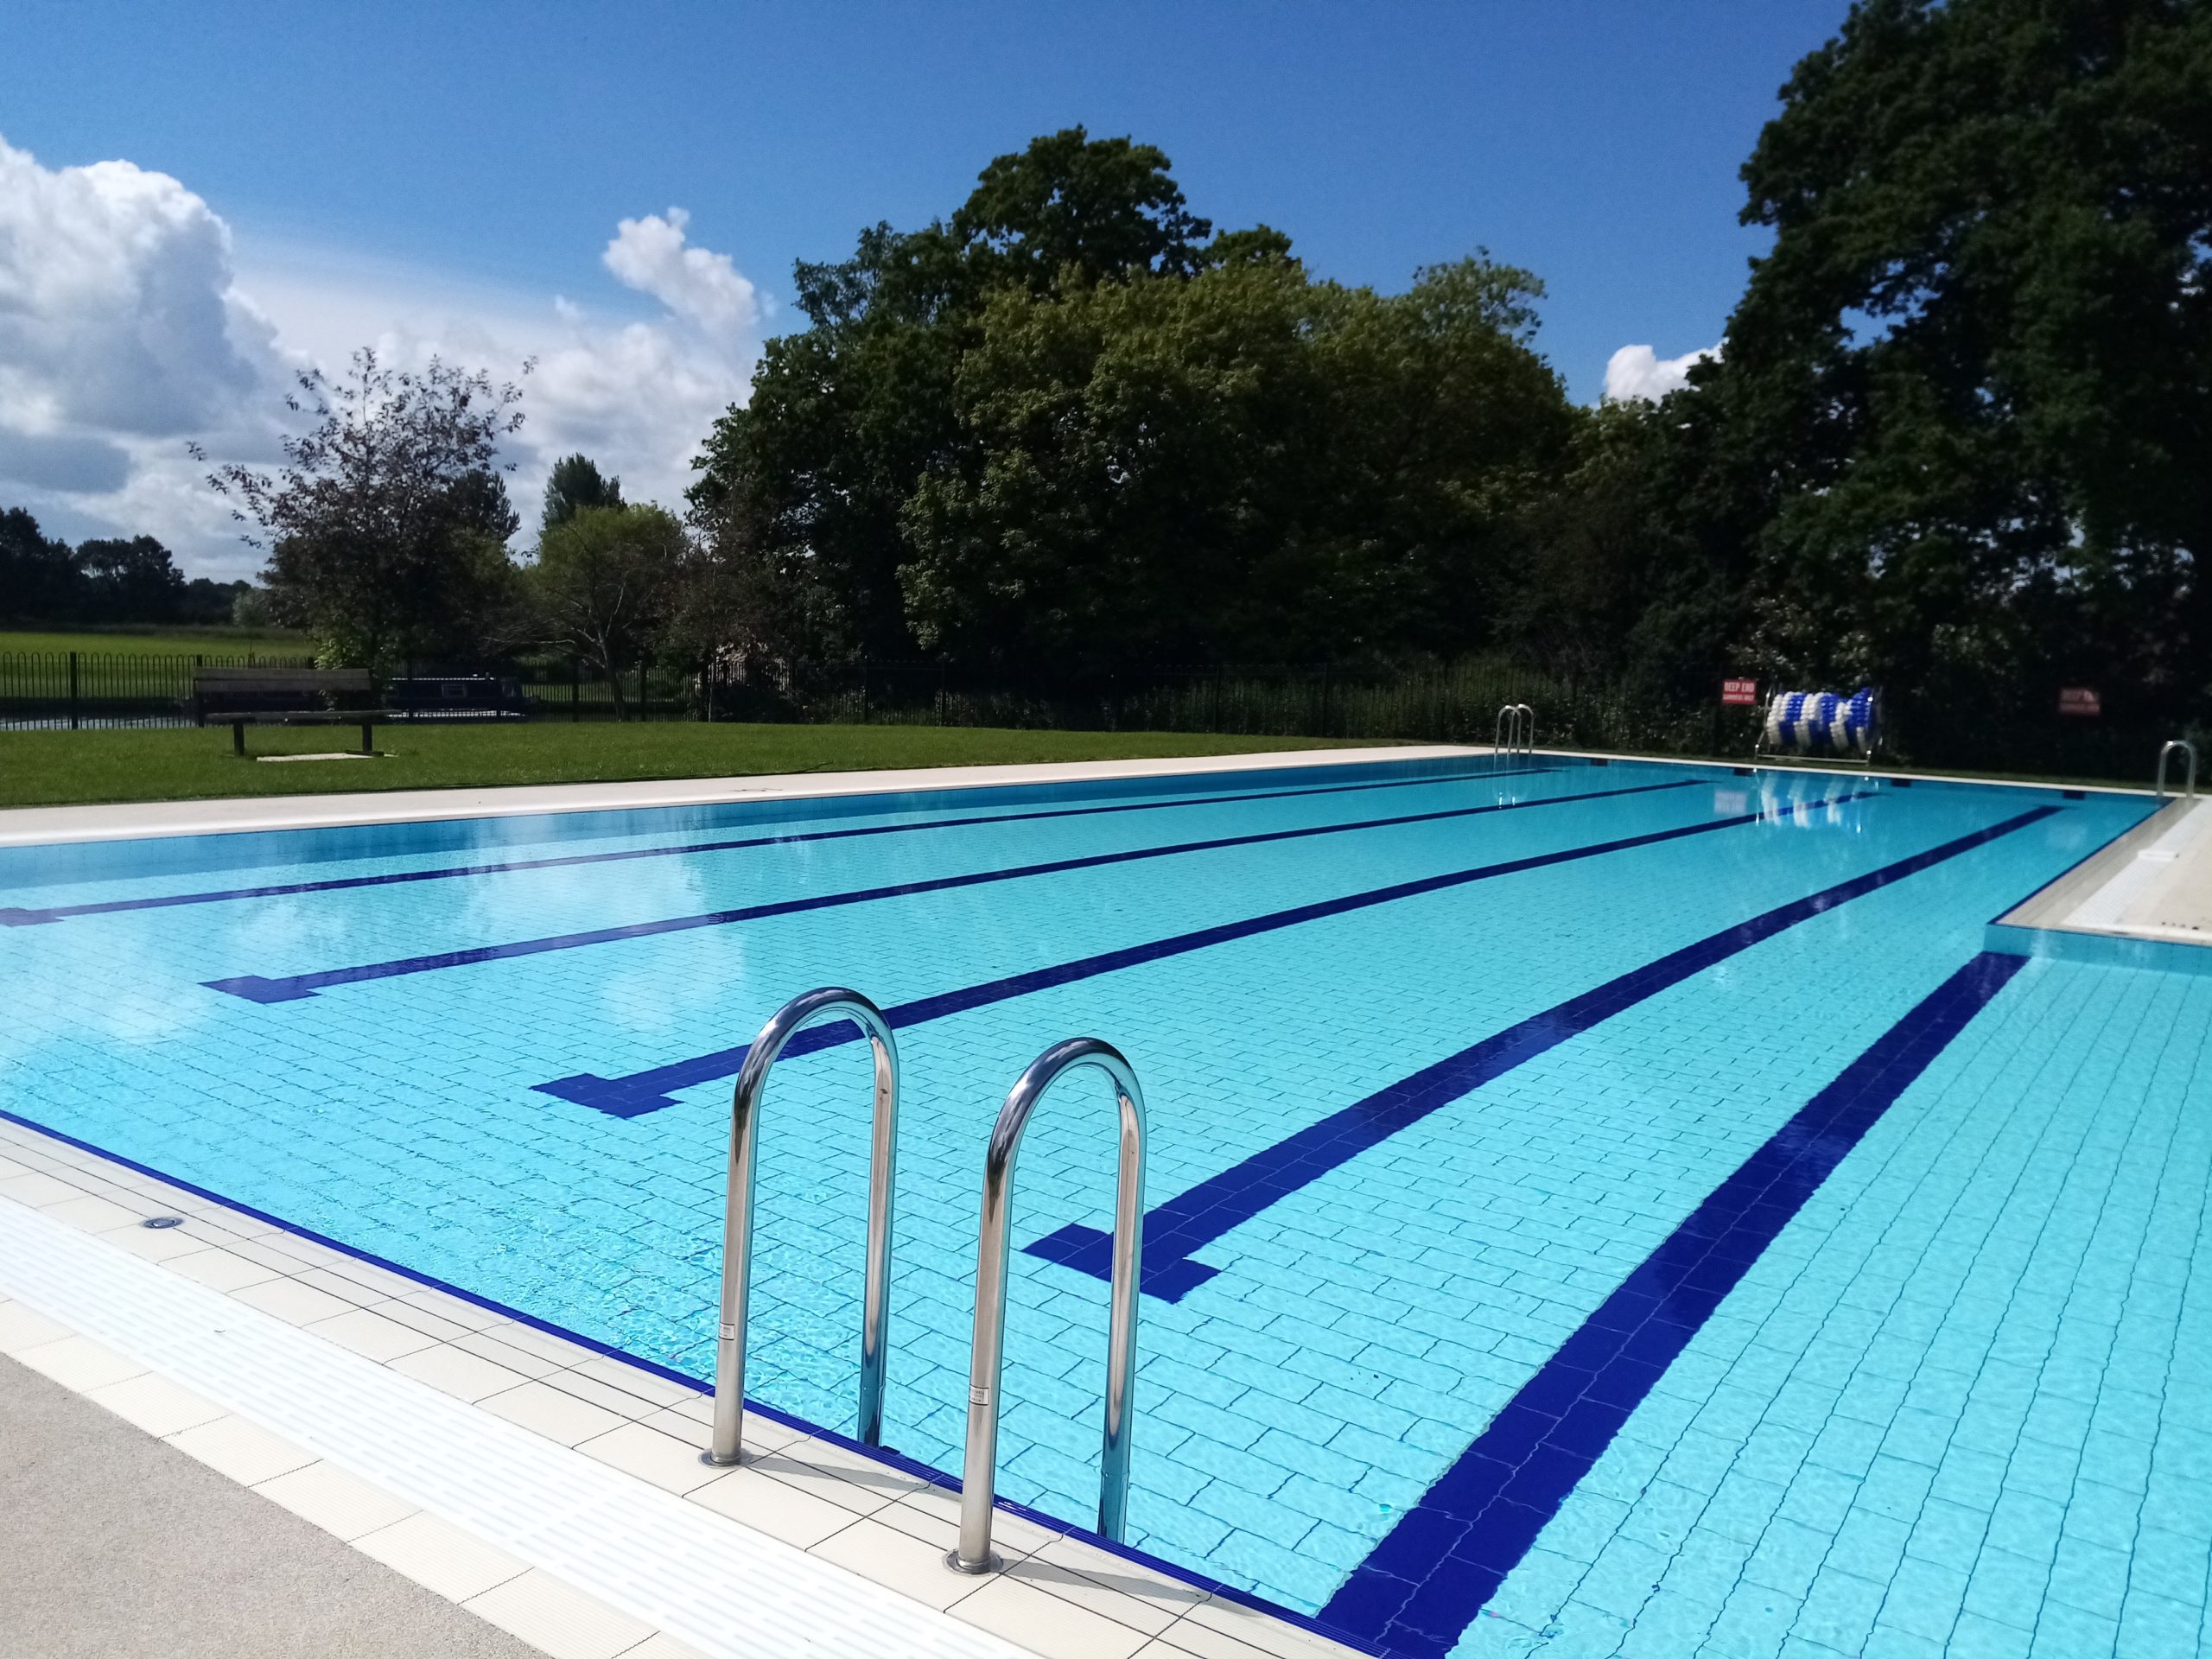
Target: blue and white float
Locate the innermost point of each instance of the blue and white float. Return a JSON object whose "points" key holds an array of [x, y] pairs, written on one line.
{"points": [[1823, 723]]}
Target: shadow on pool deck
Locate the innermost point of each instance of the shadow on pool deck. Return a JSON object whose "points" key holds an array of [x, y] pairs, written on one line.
{"points": [[118, 1546]]}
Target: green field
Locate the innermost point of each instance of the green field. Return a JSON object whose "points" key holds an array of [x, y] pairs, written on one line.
{"points": [[162, 642], [57, 768]]}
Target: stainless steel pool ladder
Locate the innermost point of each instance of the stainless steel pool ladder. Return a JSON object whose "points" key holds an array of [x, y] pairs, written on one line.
{"points": [[986, 1356], [2187, 748], [1516, 731], [737, 1218]]}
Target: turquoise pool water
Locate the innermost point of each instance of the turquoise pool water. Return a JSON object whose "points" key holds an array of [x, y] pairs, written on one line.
{"points": [[1593, 1209]]}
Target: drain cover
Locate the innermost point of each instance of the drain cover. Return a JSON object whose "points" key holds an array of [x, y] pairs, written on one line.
{"points": [[162, 1220]]}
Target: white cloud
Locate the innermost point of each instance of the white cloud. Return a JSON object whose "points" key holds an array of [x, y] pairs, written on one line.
{"points": [[131, 321], [704, 288], [1638, 372]]}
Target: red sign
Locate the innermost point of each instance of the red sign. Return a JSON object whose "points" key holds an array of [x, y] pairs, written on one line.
{"points": [[1739, 691], [2079, 700]]}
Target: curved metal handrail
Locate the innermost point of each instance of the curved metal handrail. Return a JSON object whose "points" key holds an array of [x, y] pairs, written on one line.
{"points": [[2187, 748], [980, 1469], [737, 1219], [1514, 731]]}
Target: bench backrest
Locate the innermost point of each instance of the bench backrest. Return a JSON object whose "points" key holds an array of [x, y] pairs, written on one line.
{"points": [[278, 688]]}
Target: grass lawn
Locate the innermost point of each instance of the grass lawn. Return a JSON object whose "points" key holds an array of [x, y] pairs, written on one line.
{"points": [[162, 642], [58, 768]]}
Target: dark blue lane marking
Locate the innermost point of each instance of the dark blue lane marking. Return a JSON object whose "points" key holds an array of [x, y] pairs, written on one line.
{"points": [[648, 1091], [290, 987], [1425, 1583], [1211, 1208], [19, 916]]}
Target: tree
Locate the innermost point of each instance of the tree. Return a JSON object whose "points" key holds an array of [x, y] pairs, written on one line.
{"points": [[575, 483], [1238, 463], [603, 583], [1073, 208], [1965, 406], [39, 577], [846, 416], [130, 581], [741, 609], [386, 528]]}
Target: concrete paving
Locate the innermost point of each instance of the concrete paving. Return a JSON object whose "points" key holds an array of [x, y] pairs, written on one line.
{"points": [[116, 1546]]}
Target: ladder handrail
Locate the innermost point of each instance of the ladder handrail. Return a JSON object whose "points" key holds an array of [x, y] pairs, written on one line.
{"points": [[1514, 731], [737, 1217], [988, 1354], [2187, 748]]}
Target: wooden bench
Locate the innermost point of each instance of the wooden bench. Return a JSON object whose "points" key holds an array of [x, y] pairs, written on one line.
{"points": [[284, 696]]}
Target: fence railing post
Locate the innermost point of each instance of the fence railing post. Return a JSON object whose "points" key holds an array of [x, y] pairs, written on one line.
{"points": [[576, 690], [72, 691]]}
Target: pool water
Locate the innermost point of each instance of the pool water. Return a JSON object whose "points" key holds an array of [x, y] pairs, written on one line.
{"points": [[1592, 1209]]}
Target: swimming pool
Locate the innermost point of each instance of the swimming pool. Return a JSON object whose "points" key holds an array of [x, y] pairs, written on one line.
{"points": [[1593, 1208]]}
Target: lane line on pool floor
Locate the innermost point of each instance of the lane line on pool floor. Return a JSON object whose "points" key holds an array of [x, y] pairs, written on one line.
{"points": [[292, 987], [1204, 1213], [1420, 1589], [35, 916], [649, 1091]]}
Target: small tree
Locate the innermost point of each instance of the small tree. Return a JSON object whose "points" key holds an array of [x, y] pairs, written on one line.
{"points": [[386, 527], [575, 483], [740, 609], [603, 583]]}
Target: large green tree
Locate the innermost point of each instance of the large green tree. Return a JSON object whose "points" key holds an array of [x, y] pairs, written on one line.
{"points": [[1070, 412], [1965, 407], [846, 415], [1239, 463], [130, 579]]}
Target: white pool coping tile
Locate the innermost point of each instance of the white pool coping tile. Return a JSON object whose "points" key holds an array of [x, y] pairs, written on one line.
{"points": [[345, 1392], [130, 821]]}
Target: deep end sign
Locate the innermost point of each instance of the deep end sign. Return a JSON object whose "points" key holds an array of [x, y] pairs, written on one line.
{"points": [[1743, 692]]}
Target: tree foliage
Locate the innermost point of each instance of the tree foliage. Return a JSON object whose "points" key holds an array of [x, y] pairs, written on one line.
{"points": [[38, 576], [575, 483], [1071, 417], [604, 582], [386, 528], [1242, 462], [1966, 398]]}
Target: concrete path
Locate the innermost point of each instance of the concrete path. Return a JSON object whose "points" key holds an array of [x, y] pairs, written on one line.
{"points": [[116, 1546]]}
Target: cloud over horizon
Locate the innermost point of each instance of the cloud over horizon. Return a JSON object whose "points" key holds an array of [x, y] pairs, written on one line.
{"points": [[1636, 372], [133, 320]]}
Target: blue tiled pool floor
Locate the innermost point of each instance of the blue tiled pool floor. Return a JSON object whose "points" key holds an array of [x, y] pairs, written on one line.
{"points": [[1442, 1069]]}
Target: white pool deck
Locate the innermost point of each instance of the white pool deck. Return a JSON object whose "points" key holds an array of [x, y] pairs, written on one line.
{"points": [[557, 1492], [2154, 883]]}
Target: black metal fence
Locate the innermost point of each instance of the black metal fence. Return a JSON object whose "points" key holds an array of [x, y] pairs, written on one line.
{"points": [[80, 689], [1446, 702]]}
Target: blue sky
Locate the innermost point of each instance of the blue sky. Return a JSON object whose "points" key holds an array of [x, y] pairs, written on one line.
{"points": [[475, 160]]}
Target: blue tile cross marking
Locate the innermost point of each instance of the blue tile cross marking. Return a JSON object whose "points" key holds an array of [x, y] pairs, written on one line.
{"points": [[20, 917], [1421, 1586], [255, 988], [1207, 1211], [648, 1091]]}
